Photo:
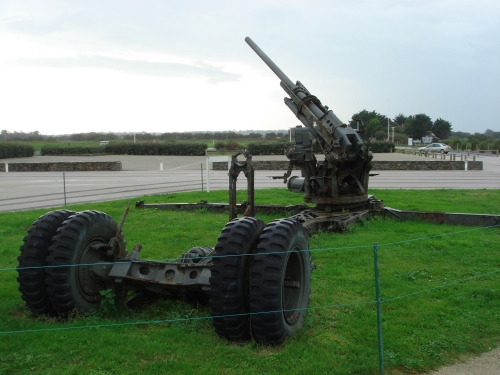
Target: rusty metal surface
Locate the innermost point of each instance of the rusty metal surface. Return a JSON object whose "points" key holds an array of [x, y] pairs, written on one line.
{"points": [[314, 220], [345, 170], [223, 207], [449, 218], [163, 274], [236, 168]]}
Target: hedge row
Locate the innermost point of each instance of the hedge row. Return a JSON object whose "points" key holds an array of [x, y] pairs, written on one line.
{"points": [[75, 150], [196, 149], [142, 148], [16, 150], [266, 148], [382, 147], [472, 145], [273, 148]]}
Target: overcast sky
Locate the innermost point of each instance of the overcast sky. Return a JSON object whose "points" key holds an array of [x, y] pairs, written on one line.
{"points": [[160, 66]]}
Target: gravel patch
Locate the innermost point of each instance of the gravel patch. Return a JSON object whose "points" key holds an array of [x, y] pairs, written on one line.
{"points": [[486, 364]]}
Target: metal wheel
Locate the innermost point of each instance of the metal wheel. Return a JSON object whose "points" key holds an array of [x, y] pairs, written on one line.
{"points": [[33, 253], [79, 245], [280, 281], [229, 280]]}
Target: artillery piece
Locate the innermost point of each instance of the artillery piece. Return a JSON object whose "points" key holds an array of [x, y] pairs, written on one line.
{"points": [[257, 276], [341, 180]]}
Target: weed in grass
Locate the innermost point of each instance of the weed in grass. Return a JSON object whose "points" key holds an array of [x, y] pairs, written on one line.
{"points": [[108, 305]]}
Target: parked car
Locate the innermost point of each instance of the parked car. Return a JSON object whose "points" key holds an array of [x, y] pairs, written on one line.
{"points": [[436, 147]]}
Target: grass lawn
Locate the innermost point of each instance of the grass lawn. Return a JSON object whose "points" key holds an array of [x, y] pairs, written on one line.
{"points": [[440, 288]]}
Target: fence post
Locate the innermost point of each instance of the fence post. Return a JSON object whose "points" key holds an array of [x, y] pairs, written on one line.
{"points": [[208, 175], [379, 310], [201, 169], [64, 187]]}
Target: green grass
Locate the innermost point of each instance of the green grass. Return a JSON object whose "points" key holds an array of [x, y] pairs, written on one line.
{"points": [[421, 331]]}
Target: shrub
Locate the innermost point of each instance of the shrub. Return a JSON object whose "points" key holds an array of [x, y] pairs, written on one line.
{"points": [[266, 148], [148, 148], [67, 150], [16, 150], [382, 147], [127, 148]]}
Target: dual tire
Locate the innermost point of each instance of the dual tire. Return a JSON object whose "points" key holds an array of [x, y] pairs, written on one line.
{"points": [[259, 283], [56, 272], [260, 280]]}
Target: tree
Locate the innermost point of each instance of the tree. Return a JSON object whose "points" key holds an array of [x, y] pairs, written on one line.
{"points": [[77, 137], [400, 119], [492, 134], [255, 135], [417, 126], [373, 126], [460, 135], [441, 128], [271, 135], [380, 135], [366, 117], [186, 136]]}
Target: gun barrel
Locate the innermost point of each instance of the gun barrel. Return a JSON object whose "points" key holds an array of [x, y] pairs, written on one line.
{"points": [[282, 76]]}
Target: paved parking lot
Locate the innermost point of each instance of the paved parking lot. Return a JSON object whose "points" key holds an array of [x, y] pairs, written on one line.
{"points": [[141, 175]]}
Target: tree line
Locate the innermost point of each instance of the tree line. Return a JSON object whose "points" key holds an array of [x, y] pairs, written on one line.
{"points": [[376, 126], [36, 136], [414, 126]]}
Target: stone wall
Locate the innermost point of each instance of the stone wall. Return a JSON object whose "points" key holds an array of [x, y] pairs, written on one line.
{"points": [[402, 165], [475, 166], [414, 165], [64, 166]]}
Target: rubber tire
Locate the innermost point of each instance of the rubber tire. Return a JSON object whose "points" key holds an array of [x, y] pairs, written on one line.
{"points": [[229, 279], [33, 253], [278, 312], [75, 287]]}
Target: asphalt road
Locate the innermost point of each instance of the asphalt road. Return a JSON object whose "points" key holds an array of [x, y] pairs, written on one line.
{"points": [[141, 175]]}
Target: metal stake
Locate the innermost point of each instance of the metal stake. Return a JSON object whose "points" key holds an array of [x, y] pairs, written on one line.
{"points": [[64, 186], [379, 310]]}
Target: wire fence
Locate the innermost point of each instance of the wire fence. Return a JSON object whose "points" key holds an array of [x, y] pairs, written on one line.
{"points": [[25, 190], [377, 301]]}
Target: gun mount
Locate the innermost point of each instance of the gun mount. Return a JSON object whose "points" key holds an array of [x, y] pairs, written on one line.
{"points": [[341, 180]]}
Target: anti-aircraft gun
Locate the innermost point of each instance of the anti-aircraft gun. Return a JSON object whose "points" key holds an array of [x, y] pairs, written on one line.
{"points": [[341, 180], [257, 277]]}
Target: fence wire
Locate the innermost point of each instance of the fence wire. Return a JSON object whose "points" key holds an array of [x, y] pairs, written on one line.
{"points": [[330, 306]]}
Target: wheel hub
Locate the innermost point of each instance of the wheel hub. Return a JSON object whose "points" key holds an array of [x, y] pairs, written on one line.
{"points": [[91, 273], [292, 291]]}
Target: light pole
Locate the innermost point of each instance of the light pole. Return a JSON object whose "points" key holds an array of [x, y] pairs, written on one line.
{"points": [[392, 127], [388, 133]]}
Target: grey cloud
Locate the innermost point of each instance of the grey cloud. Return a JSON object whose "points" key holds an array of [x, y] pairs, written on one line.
{"points": [[159, 69]]}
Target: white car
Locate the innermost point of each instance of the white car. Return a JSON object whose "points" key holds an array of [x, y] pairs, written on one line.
{"points": [[436, 147]]}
